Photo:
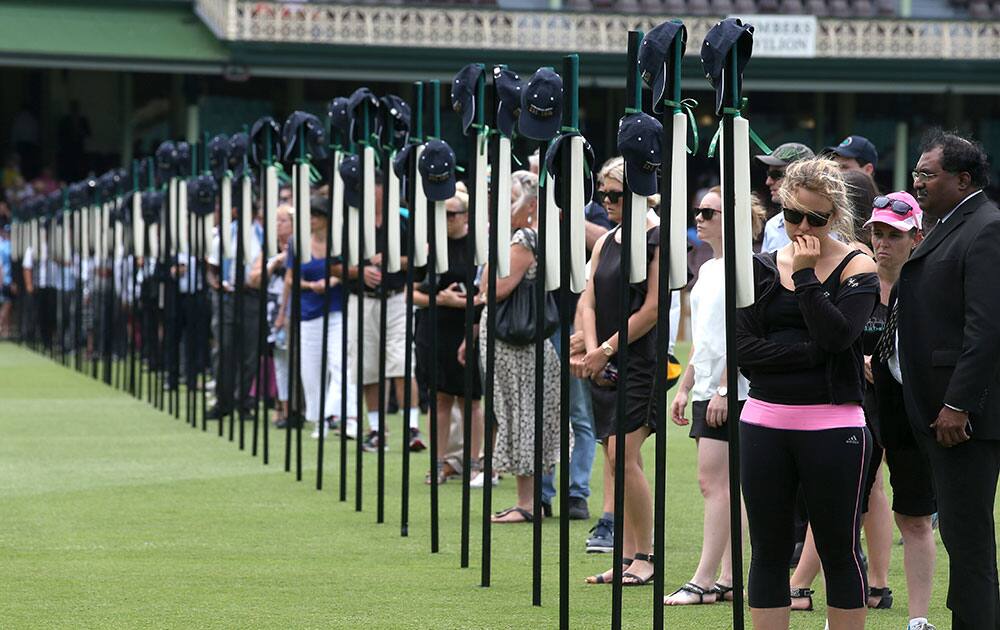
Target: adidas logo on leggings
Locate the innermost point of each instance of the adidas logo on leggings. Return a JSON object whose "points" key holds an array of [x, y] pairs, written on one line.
{"points": [[852, 440]]}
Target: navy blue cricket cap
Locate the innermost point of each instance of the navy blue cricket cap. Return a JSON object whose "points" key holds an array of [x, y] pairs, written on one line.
{"points": [[640, 138], [398, 112], [859, 148], [314, 136], [152, 203], [166, 159], [401, 162], [78, 193], [184, 159], [350, 173], [715, 51], [463, 93], [355, 110], [437, 170], [238, 144], [263, 128], [541, 105], [201, 195], [656, 55], [553, 164], [218, 155], [340, 118], [106, 184], [509, 87]]}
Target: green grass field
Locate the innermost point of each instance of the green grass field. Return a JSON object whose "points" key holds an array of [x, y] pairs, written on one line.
{"points": [[115, 515]]}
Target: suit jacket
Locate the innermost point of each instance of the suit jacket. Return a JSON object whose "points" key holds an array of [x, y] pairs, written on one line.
{"points": [[890, 423], [949, 320]]}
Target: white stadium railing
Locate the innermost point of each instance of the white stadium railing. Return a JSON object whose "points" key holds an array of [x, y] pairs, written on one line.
{"points": [[490, 29]]}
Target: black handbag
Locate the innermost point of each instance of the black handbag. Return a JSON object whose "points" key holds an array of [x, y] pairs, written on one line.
{"points": [[516, 315]]}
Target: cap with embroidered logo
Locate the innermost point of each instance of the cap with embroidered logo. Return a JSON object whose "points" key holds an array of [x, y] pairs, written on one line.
{"points": [[640, 144], [437, 170], [463, 93], [509, 88], [541, 105]]}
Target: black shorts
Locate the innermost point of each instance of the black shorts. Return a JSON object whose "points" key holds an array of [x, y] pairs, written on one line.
{"points": [[700, 428], [911, 481]]}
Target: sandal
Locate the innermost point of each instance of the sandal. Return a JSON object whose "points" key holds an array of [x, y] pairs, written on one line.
{"points": [[803, 593], [442, 474], [599, 579], [694, 589], [635, 580], [885, 597], [526, 516], [723, 593]]}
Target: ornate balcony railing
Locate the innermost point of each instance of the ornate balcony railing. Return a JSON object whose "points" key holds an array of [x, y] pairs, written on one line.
{"points": [[566, 31]]}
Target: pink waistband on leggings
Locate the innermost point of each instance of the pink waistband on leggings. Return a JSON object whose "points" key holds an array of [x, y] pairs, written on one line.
{"points": [[802, 417]]}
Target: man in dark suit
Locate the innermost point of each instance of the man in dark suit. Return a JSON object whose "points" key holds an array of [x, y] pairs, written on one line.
{"points": [[948, 355]]}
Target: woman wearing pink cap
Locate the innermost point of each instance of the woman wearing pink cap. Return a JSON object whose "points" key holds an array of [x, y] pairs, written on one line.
{"points": [[895, 227]]}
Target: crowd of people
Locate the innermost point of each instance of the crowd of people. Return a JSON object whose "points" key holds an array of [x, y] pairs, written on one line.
{"points": [[871, 340]]}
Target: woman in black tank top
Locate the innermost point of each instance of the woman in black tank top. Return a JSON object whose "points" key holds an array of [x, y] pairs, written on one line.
{"points": [[802, 426]]}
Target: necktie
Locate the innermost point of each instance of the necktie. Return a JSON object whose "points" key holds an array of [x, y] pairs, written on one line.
{"points": [[886, 345]]}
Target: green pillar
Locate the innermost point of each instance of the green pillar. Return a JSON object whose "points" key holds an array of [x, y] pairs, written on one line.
{"points": [[901, 165], [127, 117]]}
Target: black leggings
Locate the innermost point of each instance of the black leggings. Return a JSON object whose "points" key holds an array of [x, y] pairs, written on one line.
{"points": [[831, 466]]}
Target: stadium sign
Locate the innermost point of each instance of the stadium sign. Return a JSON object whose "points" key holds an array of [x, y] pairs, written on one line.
{"points": [[783, 35]]}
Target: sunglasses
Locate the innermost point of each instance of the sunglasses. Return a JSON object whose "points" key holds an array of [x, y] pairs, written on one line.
{"points": [[454, 213], [795, 217], [613, 196], [706, 213], [775, 173], [899, 207]]}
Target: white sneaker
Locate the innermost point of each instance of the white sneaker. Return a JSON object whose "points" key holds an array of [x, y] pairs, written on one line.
{"points": [[477, 481], [320, 427], [920, 624]]}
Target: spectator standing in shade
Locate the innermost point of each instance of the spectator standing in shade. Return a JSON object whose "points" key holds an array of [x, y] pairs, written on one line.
{"points": [[895, 226], [373, 285], [451, 301], [854, 153], [704, 382], [514, 372], [775, 236], [947, 347]]}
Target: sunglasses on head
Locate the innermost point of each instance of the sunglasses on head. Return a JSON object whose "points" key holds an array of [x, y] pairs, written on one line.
{"points": [[706, 213], [899, 207], [614, 196], [795, 217]]}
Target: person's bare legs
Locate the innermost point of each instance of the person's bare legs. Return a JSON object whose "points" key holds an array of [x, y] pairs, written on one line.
{"points": [[919, 554], [878, 534], [638, 521], [608, 506], [844, 619], [477, 431], [770, 618], [806, 570], [713, 479], [444, 404], [525, 500], [636, 532]]}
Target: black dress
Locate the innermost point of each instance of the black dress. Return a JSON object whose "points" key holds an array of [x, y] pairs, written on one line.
{"points": [[450, 329], [641, 352]]}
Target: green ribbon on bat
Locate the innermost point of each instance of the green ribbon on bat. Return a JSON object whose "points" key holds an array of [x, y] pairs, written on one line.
{"points": [[737, 112]]}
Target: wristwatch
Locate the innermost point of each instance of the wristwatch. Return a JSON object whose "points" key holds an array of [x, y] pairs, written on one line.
{"points": [[607, 349], [722, 391]]}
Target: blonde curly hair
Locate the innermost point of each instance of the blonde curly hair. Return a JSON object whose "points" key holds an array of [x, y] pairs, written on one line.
{"points": [[823, 177]]}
